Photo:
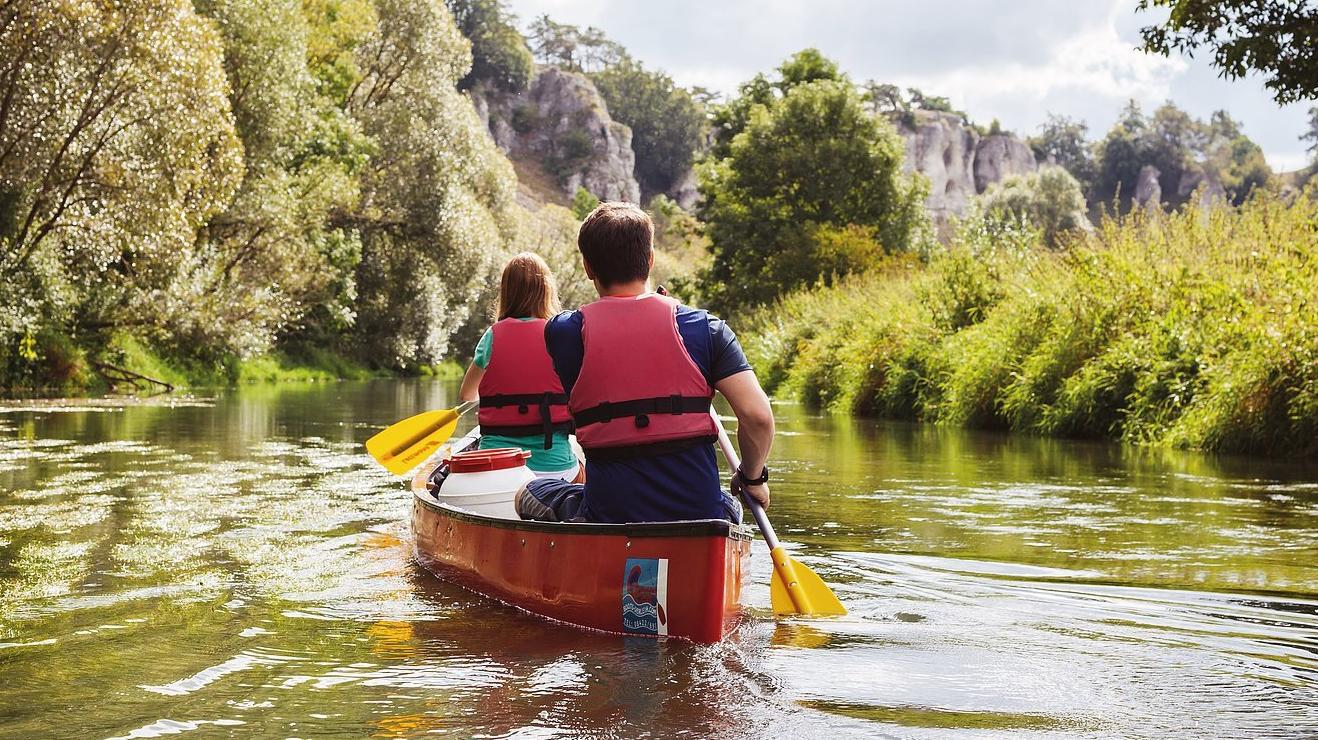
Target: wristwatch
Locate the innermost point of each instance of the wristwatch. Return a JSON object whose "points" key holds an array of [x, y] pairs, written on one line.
{"points": [[764, 478]]}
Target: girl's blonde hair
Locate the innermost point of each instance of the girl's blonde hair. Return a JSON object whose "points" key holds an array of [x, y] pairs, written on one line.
{"points": [[527, 289]]}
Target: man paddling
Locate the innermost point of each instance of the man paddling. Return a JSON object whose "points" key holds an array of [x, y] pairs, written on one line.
{"points": [[640, 370]]}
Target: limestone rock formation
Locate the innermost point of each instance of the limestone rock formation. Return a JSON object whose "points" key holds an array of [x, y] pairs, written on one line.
{"points": [[686, 191], [562, 123], [958, 162], [940, 147], [999, 156], [1148, 191]]}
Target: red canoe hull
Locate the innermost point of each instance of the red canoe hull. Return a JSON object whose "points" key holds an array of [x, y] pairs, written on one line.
{"points": [[678, 579]]}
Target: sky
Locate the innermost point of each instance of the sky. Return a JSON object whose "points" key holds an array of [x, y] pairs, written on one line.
{"points": [[1014, 60]]}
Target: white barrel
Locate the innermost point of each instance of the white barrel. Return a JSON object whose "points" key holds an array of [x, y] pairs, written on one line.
{"points": [[473, 486]]}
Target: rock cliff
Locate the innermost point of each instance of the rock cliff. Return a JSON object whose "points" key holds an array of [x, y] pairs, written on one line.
{"points": [[562, 124], [957, 160]]}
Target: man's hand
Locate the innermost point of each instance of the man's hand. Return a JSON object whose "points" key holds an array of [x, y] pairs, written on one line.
{"points": [[759, 491]]}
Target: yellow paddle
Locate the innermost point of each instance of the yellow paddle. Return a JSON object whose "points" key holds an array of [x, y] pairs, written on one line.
{"points": [[406, 444], [794, 588]]}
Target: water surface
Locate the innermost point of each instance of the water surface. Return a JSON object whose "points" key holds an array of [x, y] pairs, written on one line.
{"points": [[232, 564]]}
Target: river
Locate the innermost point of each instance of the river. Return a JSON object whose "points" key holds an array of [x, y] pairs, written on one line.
{"points": [[233, 564]]}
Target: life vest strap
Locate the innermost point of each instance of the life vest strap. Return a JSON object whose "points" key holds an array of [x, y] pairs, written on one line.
{"points": [[649, 449], [525, 402], [498, 401], [527, 430], [640, 407]]}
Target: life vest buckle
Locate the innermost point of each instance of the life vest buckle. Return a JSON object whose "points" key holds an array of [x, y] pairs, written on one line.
{"points": [[676, 401]]}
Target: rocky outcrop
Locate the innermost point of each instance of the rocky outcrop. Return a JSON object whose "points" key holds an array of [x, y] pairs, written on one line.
{"points": [[999, 156], [958, 162], [1148, 191], [686, 191], [562, 123], [942, 149]]}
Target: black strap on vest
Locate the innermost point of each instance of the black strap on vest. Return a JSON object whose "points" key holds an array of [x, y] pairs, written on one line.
{"points": [[524, 402], [648, 449], [640, 408]]}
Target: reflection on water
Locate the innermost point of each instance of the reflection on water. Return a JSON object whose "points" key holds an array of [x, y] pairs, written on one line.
{"points": [[234, 565]]}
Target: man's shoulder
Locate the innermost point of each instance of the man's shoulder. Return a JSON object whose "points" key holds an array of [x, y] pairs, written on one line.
{"points": [[564, 322]]}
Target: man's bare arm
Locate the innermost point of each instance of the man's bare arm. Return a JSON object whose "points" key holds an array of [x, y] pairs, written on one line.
{"points": [[754, 425]]}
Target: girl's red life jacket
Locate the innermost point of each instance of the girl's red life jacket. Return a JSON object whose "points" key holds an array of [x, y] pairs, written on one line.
{"points": [[639, 392], [520, 394]]}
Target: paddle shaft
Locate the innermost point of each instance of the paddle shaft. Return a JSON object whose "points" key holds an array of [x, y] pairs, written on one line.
{"points": [[729, 452]]}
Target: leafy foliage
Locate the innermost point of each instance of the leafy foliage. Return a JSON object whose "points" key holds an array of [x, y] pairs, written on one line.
{"points": [[1178, 146], [1049, 200], [572, 48], [212, 179], [666, 123], [1064, 142], [499, 54], [803, 188], [116, 144], [1275, 39]]}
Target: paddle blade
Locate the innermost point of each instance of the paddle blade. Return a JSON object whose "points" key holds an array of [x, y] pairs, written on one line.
{"points": [[795, 589], [406, 444]]}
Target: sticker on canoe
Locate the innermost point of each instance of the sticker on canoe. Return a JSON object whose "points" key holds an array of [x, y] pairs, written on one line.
{"points": [[645, 596]]}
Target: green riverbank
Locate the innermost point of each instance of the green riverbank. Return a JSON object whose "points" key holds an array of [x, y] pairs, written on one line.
{"points": [[52, 364], [1195, 329]]}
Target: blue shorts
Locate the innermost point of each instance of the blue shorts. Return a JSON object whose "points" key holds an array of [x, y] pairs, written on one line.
{"points": [[555, 500]]}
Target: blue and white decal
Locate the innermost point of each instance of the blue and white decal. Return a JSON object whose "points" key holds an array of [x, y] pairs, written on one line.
{"points": [[645, 596]]}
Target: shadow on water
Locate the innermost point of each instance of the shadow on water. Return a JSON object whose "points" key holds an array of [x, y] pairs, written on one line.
{"points": [[232, 563]]}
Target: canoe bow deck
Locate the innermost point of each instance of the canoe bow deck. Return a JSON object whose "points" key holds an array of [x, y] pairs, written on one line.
{"points": [[674, 579]]}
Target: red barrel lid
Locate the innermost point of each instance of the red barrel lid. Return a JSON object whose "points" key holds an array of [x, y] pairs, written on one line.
{"points": [[496, 458]]}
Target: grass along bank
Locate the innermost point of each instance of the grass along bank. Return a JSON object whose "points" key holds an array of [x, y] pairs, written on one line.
{"points": [[55, 364], [1192, 329]]}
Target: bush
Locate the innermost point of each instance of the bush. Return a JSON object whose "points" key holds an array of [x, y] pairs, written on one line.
{"points": [[1185, 330], [570, 151], [1050, 200]]}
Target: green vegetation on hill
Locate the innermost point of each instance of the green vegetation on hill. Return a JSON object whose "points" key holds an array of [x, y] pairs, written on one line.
{"points": [[1188, 329]]}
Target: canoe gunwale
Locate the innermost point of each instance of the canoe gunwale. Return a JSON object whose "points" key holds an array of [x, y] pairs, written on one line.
{"points": [[688, 528]]}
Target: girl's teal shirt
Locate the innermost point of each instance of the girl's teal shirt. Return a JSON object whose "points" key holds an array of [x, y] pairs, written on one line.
{"points": [[559, 455]]}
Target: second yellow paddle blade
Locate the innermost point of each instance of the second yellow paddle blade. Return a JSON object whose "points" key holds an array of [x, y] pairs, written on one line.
{"points": [[406, 444], [818, 599]]}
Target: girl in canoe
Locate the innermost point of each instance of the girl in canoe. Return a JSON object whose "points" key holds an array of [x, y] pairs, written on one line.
{"points": [[522, 403]]}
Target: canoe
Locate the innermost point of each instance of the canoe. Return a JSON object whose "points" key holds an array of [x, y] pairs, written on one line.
{"points": [[671, 579]]}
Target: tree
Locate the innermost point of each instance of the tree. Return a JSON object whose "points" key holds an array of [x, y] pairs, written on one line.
{"points": [[1276, 38], [302, 156], [728, 120], [499, 53], [437, 202], [1311, 135], [666, 124], [116, 144], [571, 48], [1064, 142], [1050, 200], [810, 180], [1187, 152]]}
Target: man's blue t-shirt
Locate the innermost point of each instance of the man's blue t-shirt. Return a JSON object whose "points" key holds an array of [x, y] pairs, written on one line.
{"points": [[668, 487]]}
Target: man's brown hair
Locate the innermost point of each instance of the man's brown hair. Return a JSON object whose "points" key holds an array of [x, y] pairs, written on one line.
{"points": [[616, 241], [527, 288]]}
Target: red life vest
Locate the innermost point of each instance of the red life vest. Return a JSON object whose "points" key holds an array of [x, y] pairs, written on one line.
{"points": [[639, 392], [520, 393]]}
